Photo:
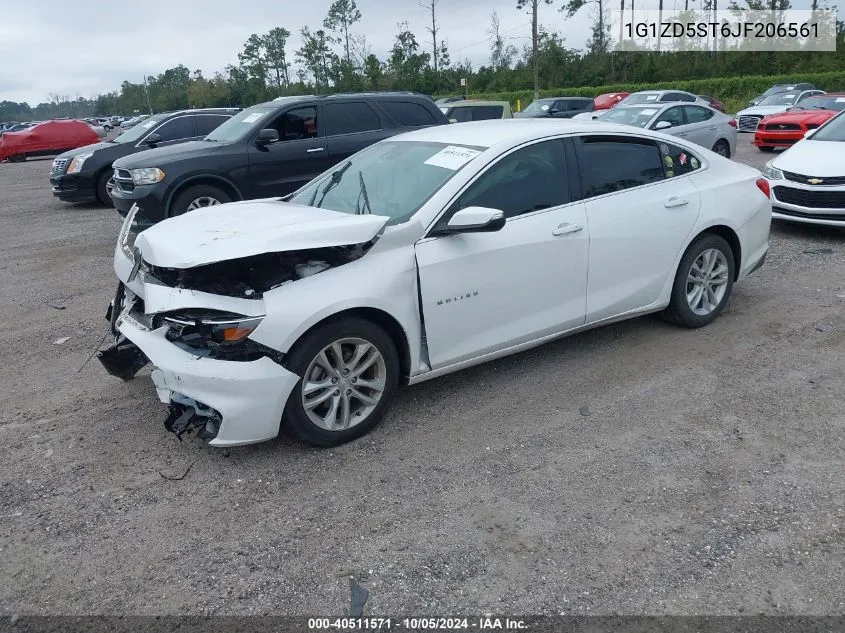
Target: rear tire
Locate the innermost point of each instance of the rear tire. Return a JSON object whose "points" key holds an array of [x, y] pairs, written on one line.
{"points": [[197, 197], [340, 407], [703, 282], [722, 148], [765, 148]]}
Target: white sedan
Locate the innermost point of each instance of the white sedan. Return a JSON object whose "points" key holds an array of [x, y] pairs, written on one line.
{"points": [[699, 124], [421, 255], [808, 179]]}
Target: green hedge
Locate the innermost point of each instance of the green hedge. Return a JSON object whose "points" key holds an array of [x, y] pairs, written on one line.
{"points": [[734, 92]]}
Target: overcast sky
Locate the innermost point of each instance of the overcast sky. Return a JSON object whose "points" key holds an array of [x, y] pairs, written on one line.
{"points": [[85, 48]]}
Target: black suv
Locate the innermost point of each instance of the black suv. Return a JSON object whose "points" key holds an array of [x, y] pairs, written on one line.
{"points": [[265, 151], [557, 107], [83, 174]]}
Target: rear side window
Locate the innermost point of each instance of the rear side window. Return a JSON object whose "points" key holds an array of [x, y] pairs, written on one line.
{"points": [[408, 114], [349, 118], [476, 113], [618, 163], [181, 127], [678, 161], [696, 114], [208, 122]]}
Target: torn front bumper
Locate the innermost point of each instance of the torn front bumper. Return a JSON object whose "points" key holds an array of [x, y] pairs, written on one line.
{"points": [[228, 402]]}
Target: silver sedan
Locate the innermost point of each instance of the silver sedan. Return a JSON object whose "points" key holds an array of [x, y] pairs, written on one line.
{"points": [[698, 124]]}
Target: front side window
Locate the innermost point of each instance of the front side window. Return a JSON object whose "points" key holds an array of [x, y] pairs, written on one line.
{"points": [[529, 179], [296, 124], [675, 116], [349, 118], [180, 128], [391, 178], [697, 115], [208, 122], [618, 163]]}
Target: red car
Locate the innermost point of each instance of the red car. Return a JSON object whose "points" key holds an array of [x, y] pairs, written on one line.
{"points": [[46, 139], [787, 128], [714, 103], [608, 100]]}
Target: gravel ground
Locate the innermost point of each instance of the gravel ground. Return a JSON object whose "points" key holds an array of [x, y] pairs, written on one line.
{"points": [[635, 469]]}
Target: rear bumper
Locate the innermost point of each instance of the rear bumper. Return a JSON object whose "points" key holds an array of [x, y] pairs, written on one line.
{"points": [[243, 400]]}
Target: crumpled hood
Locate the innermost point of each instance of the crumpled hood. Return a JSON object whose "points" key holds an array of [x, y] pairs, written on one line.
{"points": [[763, 110], [813, 158], [800, 116], [253, 227]]}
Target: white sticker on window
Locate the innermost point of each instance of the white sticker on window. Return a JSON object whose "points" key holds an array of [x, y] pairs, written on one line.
{"points": [[149, 124], [544, 107], [651, 97], [649, 112], [252, 118], [452, 157], [840, 99], [790, 97]]}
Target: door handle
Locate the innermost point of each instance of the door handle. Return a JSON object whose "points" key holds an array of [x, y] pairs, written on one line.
{"points": [[565, 228], [315, 149], [675, 202]]}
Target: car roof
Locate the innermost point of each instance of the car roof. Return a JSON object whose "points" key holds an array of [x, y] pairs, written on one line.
{"points": [[476, 102], [507, 132]]}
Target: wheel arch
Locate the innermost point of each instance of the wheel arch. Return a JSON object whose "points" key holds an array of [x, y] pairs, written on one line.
{"points": [[730, 236], [384, 320], [203, 179]]}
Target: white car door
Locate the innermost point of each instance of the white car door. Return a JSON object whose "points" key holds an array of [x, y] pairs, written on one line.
{"points": [[700, 127], [641, 210], [487, 291]]}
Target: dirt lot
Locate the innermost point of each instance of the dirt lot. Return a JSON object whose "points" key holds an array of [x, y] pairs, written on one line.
{"points": [[638, 468]]}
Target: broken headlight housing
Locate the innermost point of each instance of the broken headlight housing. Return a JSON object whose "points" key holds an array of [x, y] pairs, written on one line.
{"points": [[215, 334]]}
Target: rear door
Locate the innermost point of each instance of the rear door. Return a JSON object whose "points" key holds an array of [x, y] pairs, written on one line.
{"points": [[350, 126], [641, 208], [301, 153]]}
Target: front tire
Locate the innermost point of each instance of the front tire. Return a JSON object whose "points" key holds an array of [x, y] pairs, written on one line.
{"points": [[703, 282], [349, 372], [103, 188], [197, 197]]}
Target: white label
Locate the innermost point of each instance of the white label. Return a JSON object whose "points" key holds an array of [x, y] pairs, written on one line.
{"points": [[651, 97], [252, 118], [790, 97], [148, 124], [452, 157], [650, 112], [840, 99], [544, 107]]}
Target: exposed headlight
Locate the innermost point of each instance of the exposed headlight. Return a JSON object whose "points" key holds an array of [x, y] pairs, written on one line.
{"points": [[212, 327], [147, 175], [771, 172], [76, 164]]}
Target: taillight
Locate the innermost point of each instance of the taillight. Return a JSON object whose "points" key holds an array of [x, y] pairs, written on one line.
{"points": [[763, 185], [732, 122]]}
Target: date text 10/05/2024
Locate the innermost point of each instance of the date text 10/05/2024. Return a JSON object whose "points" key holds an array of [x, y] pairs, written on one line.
{"points": [[415, 624]]}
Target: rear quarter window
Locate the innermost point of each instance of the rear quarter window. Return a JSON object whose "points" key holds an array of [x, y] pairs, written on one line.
{"points": [[407, 113]]}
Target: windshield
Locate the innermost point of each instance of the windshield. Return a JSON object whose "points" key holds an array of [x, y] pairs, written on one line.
{"points": [[391, 178], [636, 116], [776, 89], [240, 125], [826, 102], [539, 106], [641, 97], [780, 99], [833, 130], [134, 133]]}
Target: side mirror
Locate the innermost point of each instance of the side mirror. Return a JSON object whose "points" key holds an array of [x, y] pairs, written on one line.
{"points": [[476, 220], [266, 137], [662, 125], [809, 133], [152, 140]]}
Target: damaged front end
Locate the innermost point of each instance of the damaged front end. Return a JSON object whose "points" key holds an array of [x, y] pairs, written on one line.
{"points": [[186, 415]]}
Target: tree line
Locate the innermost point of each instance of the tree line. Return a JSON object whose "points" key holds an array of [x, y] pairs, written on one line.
{"points": [[335, 56]]}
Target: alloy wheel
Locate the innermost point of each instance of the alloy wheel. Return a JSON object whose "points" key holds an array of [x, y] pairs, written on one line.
{"points": [[707, 281], [344, 384], [202, 202]]}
